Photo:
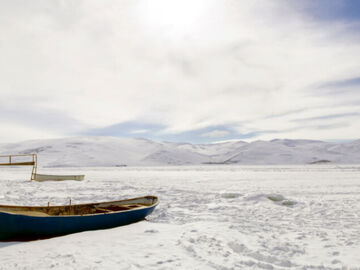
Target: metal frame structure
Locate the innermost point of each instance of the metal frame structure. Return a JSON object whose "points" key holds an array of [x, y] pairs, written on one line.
{"points": [[13, 162]]}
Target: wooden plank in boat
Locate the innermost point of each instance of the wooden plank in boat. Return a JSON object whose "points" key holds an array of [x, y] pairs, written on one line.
{"points": [[28, 213]]}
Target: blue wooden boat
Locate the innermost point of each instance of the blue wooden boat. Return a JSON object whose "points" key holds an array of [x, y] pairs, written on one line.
{"points": [[35, 222]]}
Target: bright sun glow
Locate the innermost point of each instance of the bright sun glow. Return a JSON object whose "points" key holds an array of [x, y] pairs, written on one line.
{"points": [[177, 18]]}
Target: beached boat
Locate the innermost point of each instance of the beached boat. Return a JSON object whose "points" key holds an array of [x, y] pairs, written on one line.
{"points": [[35, 222]]}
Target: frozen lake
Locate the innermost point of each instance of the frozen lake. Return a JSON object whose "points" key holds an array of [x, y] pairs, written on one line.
{"points": [[210, 217]]}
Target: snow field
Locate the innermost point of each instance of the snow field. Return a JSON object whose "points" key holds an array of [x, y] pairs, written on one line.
{"points": [[209, 217]]}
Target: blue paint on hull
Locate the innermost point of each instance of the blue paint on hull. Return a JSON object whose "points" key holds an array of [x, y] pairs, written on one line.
{"points": [[22, 226]]}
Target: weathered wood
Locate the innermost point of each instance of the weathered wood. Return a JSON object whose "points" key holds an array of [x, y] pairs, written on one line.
{"points": [[30, 163], [81, 209], [48, 177], [12, 162]]}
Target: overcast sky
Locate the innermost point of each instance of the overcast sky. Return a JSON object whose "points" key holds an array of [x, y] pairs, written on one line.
{"points": [[180, 70]]}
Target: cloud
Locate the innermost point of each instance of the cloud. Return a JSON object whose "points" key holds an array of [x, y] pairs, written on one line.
{"points": [[330, 11], [215, 134], [139, 131], [126, 129], [330, 116], [348, 87], [28, 118], [249, 67], [343, 83]]}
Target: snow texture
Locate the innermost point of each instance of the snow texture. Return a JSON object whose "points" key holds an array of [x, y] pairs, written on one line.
{"points": [[209, 217], [114, 151]]}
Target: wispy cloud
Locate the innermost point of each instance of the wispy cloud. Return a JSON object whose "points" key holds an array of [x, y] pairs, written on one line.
{"points": [[215, 134], [130, 128], [28, 118], [330, 11], [330, 116], [342, 83]]}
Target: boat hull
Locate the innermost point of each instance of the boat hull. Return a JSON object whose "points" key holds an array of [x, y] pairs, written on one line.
{"points": [[23, 227]]}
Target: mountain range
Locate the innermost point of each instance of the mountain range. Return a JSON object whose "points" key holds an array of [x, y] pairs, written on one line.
{"points": [[115, 151]]}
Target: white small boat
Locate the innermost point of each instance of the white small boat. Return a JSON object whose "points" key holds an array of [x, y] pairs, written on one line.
{"points": [[49, 177]]}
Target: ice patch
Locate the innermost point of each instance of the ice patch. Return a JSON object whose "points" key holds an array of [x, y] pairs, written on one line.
{"points": [[276, 198], [281, 200], [256, 197], [151, 231], [227, 195], [288, 203]]}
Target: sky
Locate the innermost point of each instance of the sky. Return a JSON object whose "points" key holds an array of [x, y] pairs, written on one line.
{"points": [[197, 71]]}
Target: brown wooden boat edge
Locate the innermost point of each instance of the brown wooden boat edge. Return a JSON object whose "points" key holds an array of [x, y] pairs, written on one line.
{"points": [[81, 209]]}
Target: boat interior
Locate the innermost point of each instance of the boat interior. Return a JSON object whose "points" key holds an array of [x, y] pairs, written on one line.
{"points": [[81, 209]]}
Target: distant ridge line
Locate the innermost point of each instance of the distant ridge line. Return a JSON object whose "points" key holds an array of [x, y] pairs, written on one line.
{"points": [[89, 151]]}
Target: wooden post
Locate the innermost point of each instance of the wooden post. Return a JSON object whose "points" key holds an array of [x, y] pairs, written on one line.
{"points": [[33, 173], [70, 207], [21, 163]]}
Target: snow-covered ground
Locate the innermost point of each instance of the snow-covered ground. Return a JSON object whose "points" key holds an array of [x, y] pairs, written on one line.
{"points": [[209, 217]]}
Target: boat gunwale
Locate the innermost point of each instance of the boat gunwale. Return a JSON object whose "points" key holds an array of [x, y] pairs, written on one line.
{"points": [[84, 204]]}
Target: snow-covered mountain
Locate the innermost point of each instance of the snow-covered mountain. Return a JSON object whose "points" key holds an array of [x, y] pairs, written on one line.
{"points": [[114, 151]]}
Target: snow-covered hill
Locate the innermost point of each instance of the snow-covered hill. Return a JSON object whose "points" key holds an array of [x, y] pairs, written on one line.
{"points": [[114, 151]]}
